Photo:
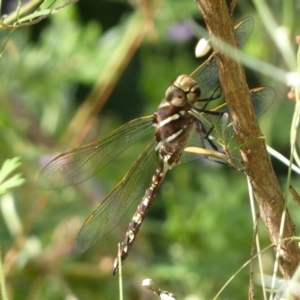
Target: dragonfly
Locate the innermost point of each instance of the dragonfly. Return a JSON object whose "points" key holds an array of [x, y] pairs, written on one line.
{"points": [[170, 126]]}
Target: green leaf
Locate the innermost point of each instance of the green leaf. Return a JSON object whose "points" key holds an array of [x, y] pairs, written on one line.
{"points": [[37, 14], [7, 168]]}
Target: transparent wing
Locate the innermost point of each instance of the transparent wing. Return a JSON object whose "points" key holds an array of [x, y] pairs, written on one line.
{"points": [[243, 30], [206, 75], [110, 211], [79, 164], [214, 133], [262, 98]]}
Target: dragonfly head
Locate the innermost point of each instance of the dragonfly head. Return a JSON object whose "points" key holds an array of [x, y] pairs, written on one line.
{"points": [[184, 90]]}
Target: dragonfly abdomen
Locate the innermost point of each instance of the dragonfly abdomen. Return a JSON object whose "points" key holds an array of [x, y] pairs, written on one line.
{"points": [[140, 213]]}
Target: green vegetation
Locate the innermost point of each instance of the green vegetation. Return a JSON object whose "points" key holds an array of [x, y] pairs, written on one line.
{"points": [[81, 72]]}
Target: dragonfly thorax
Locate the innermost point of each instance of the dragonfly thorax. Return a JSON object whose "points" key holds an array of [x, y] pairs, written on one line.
{"points": [[172, 119]]}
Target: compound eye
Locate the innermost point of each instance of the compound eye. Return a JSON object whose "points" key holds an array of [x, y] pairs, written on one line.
{"points": [[175, 96]]}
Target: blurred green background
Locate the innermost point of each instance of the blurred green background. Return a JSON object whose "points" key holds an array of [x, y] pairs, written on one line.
{"points": [[83, 72]]}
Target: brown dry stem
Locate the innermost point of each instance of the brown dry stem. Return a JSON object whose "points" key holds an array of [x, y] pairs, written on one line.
{"points": [[255, 157]]}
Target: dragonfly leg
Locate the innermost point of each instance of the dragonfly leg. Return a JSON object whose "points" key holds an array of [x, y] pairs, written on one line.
{"points": [[140, 214], [213, 96], [204, 135]]}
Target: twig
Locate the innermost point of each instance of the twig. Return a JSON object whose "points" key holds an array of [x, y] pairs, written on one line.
{"points": [[255, 157], [251, 281], [150, 285], [295, 195]]}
